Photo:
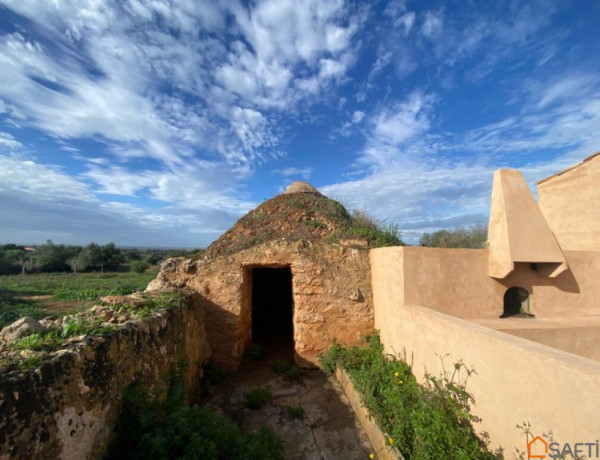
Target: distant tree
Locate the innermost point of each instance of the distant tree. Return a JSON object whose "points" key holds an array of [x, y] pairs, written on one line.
{"points": [[80, 262], [8, 255], [105, 256], [139, 266], [153, 259], [28, 262], [53, 257], [470, 237]]}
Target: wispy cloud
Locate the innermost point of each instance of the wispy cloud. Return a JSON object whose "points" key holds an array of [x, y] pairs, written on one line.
{"points": [[305, 173]]}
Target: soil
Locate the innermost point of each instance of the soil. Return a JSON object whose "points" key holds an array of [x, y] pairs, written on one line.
{"points": [[328, 429], [52, 307]]}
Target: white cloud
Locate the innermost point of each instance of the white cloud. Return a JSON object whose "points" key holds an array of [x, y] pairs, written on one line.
{"points": [[111, 88], [358, 116], [305, 173], [39, 201], [8, 141], [406, 21], [432, 24], [572, 87], [20, 174], [394, 126]]}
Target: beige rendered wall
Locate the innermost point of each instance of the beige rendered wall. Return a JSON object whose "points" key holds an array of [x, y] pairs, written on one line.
{"points": [[455, 281], [570, 203], [518, 231], [516, 380], [582, 341]]}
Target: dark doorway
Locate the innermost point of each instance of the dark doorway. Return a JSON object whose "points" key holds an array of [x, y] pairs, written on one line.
{"points": [[516, 303], [273, 308]]}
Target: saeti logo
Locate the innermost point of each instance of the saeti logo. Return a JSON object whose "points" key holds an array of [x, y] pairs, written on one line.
{"points": [[539, 448]]}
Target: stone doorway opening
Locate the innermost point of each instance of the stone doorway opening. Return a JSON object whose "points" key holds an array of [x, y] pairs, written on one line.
{"points": [[273, 309], [516, 303]]}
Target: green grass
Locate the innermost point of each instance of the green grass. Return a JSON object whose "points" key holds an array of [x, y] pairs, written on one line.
{"points": [[82, 289], [296, 412], [426, 421], [55, 337], [151, 304], [290, 371], [257, 398]]}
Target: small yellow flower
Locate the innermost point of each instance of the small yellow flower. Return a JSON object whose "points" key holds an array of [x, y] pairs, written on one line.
{"points": [[396, 374], [391, 441], [371, 455], [399, 382]]}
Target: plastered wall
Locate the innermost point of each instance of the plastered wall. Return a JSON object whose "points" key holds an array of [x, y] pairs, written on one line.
{"points": [[517, 380], [569, 203], [455, 281]]}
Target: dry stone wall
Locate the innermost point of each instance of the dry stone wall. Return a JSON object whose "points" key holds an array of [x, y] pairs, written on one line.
{"points": [[67, 407], [331, 291]]}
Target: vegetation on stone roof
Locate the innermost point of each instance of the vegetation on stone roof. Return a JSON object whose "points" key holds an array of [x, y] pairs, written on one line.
{"points": [[303, 216]]}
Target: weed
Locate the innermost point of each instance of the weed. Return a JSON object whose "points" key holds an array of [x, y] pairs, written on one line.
{"points": [[161, 426], [257, 398], [55, 337], [296, 203], [315, 223], [422, 421], [293, 373], [37, 342], [296, 411], [153, 303], [212, 377], [281, 366], [255, 352], [29, 363], [339, 211], [334, 238]]}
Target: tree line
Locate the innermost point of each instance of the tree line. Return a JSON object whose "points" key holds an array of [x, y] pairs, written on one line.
{"points": [[50, 257], [471, 237]]}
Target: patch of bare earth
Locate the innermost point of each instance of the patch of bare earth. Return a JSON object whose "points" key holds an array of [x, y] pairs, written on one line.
{"points": [[54, 307]]}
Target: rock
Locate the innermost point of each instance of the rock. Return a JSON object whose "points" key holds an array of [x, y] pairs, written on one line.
{"points": [[300, 187], [21, 328], [285, 392]]}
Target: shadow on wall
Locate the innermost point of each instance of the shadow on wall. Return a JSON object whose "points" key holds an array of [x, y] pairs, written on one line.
{"points": [[224, 334], [528, 276]]}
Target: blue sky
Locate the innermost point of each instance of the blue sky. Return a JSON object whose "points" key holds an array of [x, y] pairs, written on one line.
{"points": [[159, 123]]}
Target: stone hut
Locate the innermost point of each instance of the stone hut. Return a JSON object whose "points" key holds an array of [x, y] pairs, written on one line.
{"points": [[288, 275]]}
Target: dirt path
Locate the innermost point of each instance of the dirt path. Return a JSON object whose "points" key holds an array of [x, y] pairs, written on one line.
{"points": [[328, 429], [46, 303]]}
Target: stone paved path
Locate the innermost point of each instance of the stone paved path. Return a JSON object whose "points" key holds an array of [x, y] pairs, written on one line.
{"points": [[328, 429]]}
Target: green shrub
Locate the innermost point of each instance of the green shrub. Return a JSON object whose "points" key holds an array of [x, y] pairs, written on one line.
{"points": [[422, 421], [281, 366], [293, 373], [255, 352], [55, 337], [363, 225], [257, 398], [161, 426], [296, 411], [139, 266], [153, 303]]}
